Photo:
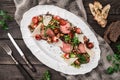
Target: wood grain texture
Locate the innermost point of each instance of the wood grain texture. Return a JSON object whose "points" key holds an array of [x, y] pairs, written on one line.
{"points": [[9, 71]]}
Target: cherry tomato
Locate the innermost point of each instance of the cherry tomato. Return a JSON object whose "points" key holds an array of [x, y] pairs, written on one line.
{"points": [[78, 30], [56, 18], [35, 20], [54, 39], [71, 35], [66, 56], [38, 37], [90, 45], [62, 22]]}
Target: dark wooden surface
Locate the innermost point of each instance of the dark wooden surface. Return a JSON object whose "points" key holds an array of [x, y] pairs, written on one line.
{"points": [[9, 71]]}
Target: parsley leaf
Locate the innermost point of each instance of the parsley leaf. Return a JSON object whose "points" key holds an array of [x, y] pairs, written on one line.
{"points": [[110, 70], [52, 26], [46, 76], [109, 57], [118, 48], [75, 41], [83, 58], [67, 38], [3, 18], [115, 59]]}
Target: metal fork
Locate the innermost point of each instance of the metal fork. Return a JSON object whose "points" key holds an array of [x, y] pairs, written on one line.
{"points": [[18, 64], [8, 51]]}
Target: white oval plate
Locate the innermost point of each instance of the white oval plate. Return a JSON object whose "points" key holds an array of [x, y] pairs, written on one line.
{"points": [[49, 54]]}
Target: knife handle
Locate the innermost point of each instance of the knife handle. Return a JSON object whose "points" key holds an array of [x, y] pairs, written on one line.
{"points": [[24, 72], [30, 65]]}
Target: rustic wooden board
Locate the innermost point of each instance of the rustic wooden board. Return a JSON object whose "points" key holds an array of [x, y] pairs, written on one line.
{"points": [[11, 72]]}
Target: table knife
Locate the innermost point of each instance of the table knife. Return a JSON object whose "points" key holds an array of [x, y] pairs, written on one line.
{"points": [[24, 72], [21, 53]]}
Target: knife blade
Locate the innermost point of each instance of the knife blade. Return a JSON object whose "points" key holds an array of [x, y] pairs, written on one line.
{"points": [[21, 53]]}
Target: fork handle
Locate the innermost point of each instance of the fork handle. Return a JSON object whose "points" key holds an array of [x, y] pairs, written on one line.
{"points": [[30, 65], [24, 72]]}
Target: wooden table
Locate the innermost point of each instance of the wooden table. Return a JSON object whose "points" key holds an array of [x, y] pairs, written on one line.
{"points": [[9, 71]]}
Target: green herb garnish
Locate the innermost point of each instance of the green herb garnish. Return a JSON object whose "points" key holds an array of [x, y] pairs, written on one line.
{"points": [[109, 57], [46, 76], [83, 58], [55, 21], [75, 65], [110, 70], [67, 38], [3, 18], [115, 60], [75, 41], [118, 48], [52, 26]]}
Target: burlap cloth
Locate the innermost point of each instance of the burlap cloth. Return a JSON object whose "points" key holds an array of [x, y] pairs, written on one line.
{"points": [[76, 7]]}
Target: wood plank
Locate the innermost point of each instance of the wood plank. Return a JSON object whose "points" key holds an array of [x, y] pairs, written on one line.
{"points": [[13, 73], [10, 8]]}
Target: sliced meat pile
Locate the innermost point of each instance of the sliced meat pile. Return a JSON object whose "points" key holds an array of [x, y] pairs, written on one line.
{"points": [[55, 29]]}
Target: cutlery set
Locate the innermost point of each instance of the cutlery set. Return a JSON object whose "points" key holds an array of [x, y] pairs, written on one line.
{"points": [[18, 64]]}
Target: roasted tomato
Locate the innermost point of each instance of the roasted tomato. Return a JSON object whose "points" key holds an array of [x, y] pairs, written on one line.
{"points": [[71, 35], [90, 45], [38, 37], [78, 30], [54, 39], [66, 55], [35, 19], [56, 18], [63, 22]]}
